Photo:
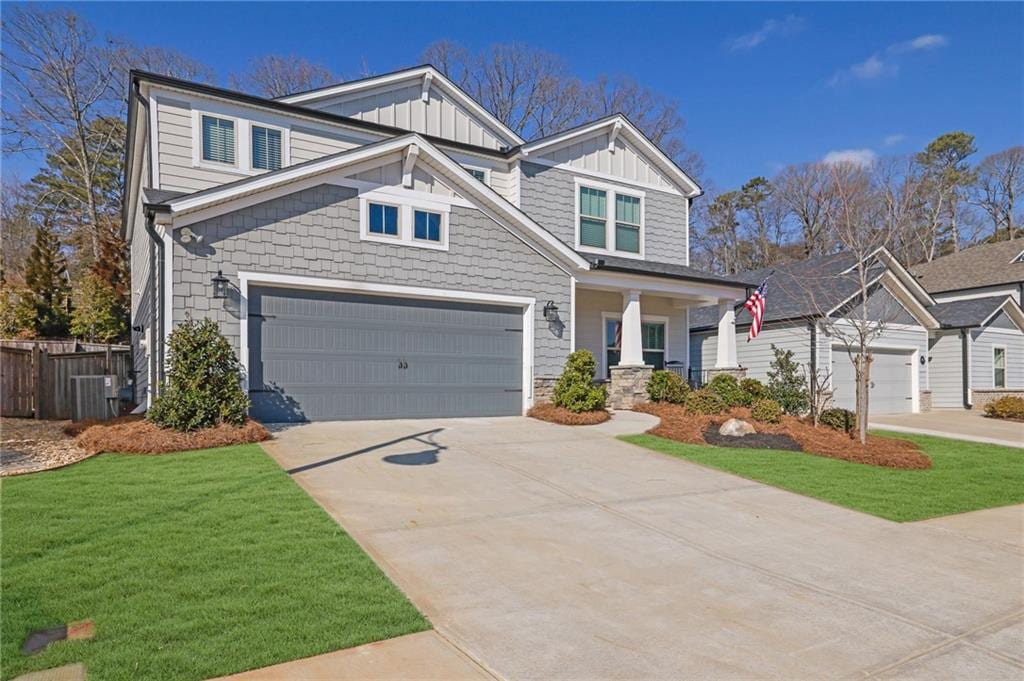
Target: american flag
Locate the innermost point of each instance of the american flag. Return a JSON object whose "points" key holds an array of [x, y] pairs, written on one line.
{"points": [[755, 306]]}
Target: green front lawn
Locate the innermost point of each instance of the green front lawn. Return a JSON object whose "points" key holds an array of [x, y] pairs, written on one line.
{"points": [[965, 476], [192, 565]]}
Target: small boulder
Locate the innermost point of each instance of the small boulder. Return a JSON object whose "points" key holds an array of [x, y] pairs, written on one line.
{"points": [[736, 428]]}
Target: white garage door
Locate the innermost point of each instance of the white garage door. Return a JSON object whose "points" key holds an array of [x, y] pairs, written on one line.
{"points": [[891, 381]]}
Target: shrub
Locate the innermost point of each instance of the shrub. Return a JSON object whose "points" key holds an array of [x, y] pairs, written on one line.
{"points": [[667, 386], [786, 384], [575, 389], [753, 390], [766, 411], [204, 381], [1007, 407], [704, 401], [727, 388], [840, 419]]}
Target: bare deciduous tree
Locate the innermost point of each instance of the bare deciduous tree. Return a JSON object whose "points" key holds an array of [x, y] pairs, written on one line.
{"points": [[806, 189], [274, 75], [169, 62], [999, 187]]}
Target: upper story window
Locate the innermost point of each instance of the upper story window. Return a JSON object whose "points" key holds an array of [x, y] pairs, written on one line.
{"points": [[218, 139], [481, 174], [600, 229], [383, 219], [403, 220], [266, 148], [427, 226]]}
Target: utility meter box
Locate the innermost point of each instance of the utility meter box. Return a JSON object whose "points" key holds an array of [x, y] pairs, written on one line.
{"points": [[94, 397]]}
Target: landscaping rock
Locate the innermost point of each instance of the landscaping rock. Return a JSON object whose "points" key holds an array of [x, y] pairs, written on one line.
{"points": [[736, 428]]}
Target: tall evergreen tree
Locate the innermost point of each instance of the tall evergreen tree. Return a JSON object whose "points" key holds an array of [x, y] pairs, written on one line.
{"points": [[45, 299]]}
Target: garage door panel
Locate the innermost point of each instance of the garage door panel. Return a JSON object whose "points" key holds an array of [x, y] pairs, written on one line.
{"points": [[890, 376], [323, 355]]}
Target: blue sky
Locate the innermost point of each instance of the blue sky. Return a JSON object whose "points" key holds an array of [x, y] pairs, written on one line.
{"points": [[760, 84]]}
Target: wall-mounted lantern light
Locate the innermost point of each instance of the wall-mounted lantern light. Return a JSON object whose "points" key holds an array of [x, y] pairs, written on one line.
{"points": [[551, 311], [220, 286]]}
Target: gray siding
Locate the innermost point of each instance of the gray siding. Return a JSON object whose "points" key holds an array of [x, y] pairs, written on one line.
{"points": [[315, 233], [982, 342], [756, 356], [945, 370], [142, 304], [548, 195]]}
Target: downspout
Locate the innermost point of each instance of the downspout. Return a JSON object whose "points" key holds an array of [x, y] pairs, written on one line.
{"points": [[965, 365], [814, 363]]}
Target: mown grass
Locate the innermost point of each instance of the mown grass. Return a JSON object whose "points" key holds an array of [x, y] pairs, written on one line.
{"points": [[193, 565], [965, 476]]}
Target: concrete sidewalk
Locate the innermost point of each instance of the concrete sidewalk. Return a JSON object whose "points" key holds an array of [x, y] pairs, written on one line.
{"points": [[958, 424]]}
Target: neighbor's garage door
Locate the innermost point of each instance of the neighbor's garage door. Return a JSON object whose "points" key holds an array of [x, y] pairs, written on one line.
{"points": [[322, 356], [890, 375]]}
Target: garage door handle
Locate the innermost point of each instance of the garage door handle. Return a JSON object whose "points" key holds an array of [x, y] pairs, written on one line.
{"points": [[402, 364]]}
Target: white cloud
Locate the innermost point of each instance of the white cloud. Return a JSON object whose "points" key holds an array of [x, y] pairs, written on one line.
{"points": [[887, 62], [779, 27], [859, 157], [893, 139]]}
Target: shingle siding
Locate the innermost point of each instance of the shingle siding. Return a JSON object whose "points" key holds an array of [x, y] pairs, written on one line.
{"points": [[548, 195], [315, 233]]}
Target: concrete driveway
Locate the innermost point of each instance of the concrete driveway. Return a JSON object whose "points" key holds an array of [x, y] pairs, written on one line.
{"points": [[547, 552], [959, 424]]}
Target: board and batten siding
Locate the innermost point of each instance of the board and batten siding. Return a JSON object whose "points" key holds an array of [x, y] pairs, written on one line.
{"points": [[999, 333], [548, 195], [403, 107], [756, 356], [945, 370], [592, 154], [592, 304], [315, 233]]}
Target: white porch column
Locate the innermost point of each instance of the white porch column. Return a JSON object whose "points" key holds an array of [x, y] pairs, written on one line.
{"points": [[726, 335], [632, 354]]}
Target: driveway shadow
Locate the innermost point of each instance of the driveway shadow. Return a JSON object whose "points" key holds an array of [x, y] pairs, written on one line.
{"points": [[425, 457]]}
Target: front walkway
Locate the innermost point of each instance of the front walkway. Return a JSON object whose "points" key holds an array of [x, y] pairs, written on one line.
{"points": [[548, 552], [959, 424]]}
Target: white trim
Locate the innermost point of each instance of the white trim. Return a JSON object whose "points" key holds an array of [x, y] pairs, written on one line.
{"points": [[243, 142], [699, 293], [286, 157], [152, 139], [528, 305], [1006, 367], [604, 177], [438, 80], [929, 321], [572, 314], [197, 143], [634, 135], [611, 193], [1012, 310], [406, 220], [483, 169], [617, 316]]}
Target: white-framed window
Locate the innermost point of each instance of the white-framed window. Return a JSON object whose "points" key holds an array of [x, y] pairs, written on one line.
{"points": [[653, 338], [998, 366], [218, 139], [393, 218], [609, 219], [482, 174], [267, 147]]}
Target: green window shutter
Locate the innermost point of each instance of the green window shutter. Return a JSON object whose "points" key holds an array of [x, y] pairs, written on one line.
{"points": [[218, 139], [266, 148]]}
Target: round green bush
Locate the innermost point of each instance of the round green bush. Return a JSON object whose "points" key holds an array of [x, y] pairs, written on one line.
{"points": [[752, 389], [204, 380], [766, 411], [839, 419], [727, 388], [1006, 407], [667, 386], [575, 389], [704, 401]]}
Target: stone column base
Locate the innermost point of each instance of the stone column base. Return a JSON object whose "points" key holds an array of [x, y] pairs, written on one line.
{"points": [[544, 388], [739, 372], [925, 400], [628, 386]]}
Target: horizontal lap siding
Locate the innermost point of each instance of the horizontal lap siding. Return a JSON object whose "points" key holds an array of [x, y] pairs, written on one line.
{"points": [[755, 356], [945, 370], [982, 342], [315, 233]]}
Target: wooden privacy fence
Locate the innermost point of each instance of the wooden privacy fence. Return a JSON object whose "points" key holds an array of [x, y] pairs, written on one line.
{"points": [[38, 383]]}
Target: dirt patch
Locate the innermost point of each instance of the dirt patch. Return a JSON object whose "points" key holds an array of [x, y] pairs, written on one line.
{"points": [[545, 411], [751, 441], [677, 424], [29, 446], [138, 436]]}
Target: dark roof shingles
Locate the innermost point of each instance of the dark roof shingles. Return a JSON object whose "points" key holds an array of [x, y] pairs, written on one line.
{"points": [[974, 267]]}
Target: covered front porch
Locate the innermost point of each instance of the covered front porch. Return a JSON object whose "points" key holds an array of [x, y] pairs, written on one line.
{"points": [[635, 324]]}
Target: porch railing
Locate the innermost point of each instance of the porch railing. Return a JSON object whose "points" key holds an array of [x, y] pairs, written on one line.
{"points": [[696, 378]]}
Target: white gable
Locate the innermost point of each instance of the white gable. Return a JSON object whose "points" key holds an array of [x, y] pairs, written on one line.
{"points": [[593, 154]]}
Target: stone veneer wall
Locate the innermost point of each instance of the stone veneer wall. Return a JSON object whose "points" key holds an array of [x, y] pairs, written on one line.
{"points": [[544, 388], [981, 397], [628, 386], [925, 400]]}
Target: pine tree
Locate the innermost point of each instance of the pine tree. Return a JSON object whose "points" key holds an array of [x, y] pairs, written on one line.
{"points": [[45, 299]]}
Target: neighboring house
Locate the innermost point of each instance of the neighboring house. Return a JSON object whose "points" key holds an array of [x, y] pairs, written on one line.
{"points": [[917, 361], [387, 248], [979, 354]]}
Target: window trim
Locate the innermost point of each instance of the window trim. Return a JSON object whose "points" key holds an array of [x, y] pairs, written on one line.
{"points": [[440, 227], [284, 144], [243, 141], [617, 316], [484, 169], [611, 193], [198, 134], [1006, 366], [406, 205]]}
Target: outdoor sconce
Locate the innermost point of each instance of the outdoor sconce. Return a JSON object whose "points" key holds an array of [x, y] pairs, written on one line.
{"points": [[551, 311], [220, 286]]}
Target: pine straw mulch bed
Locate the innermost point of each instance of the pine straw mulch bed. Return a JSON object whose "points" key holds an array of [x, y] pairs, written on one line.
{"points": [[677, 424], [545, 411], [136, 435]]}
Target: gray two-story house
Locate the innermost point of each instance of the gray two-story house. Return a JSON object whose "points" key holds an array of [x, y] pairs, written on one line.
{"points": [[387, 248]]}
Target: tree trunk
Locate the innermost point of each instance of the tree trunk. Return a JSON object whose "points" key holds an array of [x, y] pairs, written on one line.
{"points": [[863, 370]]}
